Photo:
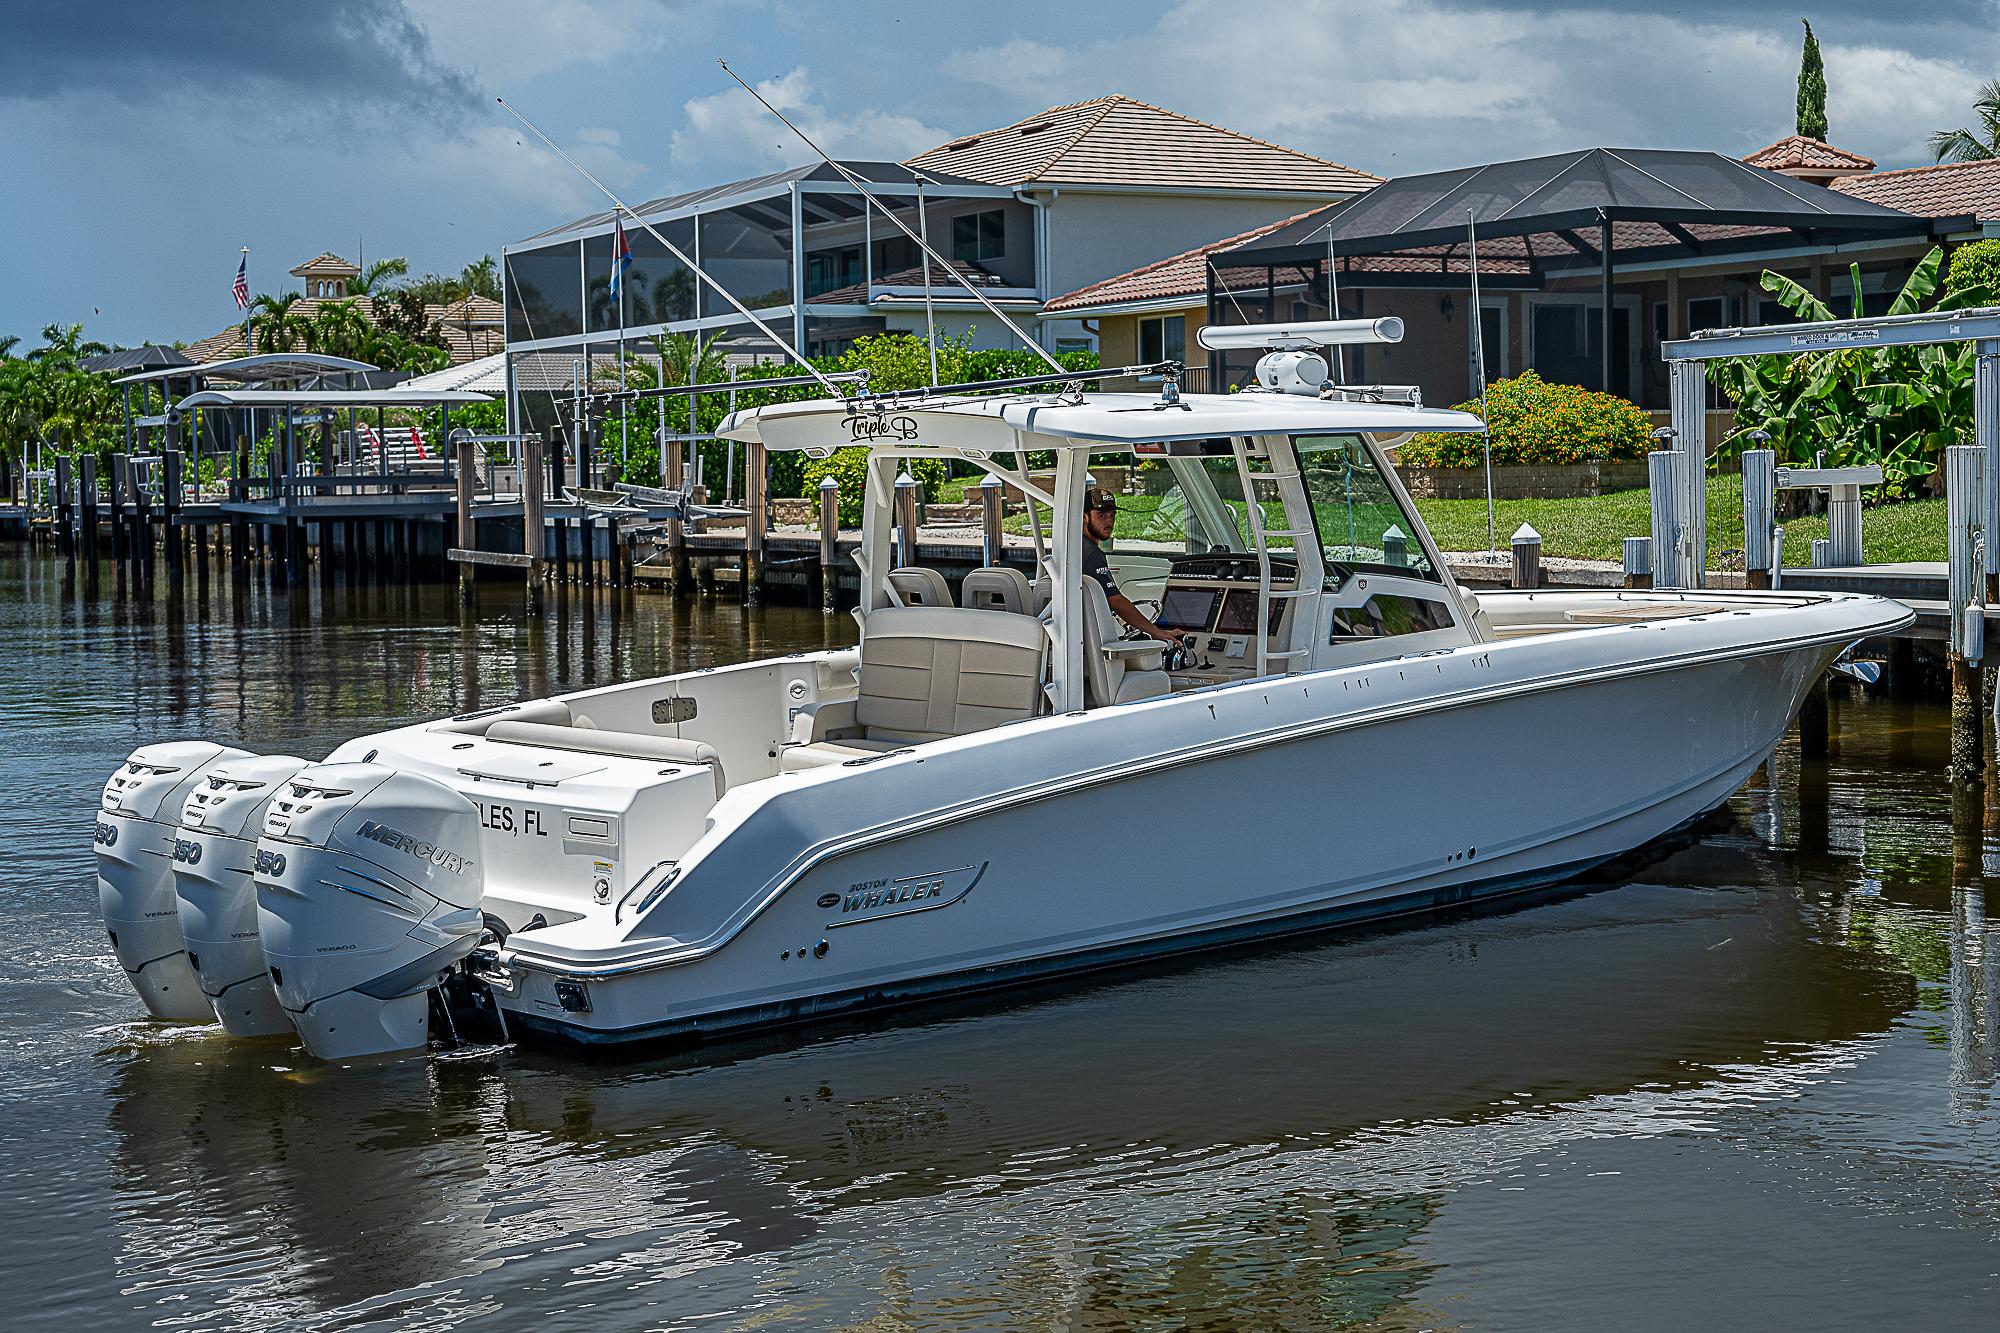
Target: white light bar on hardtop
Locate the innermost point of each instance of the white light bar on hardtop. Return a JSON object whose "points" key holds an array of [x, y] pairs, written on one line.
{"points": [[1301, 336]]}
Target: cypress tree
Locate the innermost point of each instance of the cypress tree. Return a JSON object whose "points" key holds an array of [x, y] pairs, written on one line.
{"points": [[1812, 88]]}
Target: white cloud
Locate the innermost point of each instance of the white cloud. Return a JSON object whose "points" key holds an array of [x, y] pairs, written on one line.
{"points": [[507, 42], [1412, 85], [727, 134]]}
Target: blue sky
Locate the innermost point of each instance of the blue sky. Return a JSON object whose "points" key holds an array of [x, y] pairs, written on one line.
{"points": [[145, 145]]}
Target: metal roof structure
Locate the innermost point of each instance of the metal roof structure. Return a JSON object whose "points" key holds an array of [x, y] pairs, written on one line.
{"points": [[126, 360], [266, 367], [891, 176], [486, 375], [1671, 202], [396, 397]]}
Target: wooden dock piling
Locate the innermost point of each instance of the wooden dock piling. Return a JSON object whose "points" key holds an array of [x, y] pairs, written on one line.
{"points": [[829, 544], [534, 539], [756, 484]]}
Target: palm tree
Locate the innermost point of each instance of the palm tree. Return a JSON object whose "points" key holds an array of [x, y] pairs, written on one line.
{"points": [[378, 275], [63, 345], [340, 329], [482, 278], [1968, 145], [275, 326], [8, 342]]}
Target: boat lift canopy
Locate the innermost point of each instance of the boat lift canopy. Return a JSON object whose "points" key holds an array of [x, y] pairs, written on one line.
{"points": [[397, 397]]}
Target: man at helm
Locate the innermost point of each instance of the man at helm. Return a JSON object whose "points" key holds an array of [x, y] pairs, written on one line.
{"points": [[1100, 515]]}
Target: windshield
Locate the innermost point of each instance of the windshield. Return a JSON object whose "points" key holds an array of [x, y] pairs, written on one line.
{"points": [[1361, 525], [1192, 504]]}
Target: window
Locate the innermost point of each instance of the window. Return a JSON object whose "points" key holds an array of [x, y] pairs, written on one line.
{"points": [[894, 254], [830, 270], [1163, 339], [1361, 524], [977, 237]]}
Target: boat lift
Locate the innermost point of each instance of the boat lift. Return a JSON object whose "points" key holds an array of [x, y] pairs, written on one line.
{"points": [[1972, 481]]}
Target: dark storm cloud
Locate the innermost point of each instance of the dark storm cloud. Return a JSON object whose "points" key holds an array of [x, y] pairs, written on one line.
{"points": [[351, 56]]}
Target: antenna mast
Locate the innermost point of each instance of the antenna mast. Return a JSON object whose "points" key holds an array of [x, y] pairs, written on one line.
{"points": [[922, 244], [1479, 360], [676, 251]]}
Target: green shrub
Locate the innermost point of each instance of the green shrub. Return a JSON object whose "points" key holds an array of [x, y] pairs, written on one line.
{"points": [[1974, 266], [1538, 423], [849, 467]]}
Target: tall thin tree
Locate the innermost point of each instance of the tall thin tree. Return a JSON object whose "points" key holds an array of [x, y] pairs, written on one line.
{"points": [[1812, 88]]}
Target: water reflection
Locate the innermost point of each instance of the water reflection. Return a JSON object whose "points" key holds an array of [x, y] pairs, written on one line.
{"points": [[1340, 1132]]}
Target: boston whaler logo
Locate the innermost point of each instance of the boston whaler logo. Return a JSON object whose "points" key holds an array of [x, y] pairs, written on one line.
{"points": [[423, 851], [873, 899]]}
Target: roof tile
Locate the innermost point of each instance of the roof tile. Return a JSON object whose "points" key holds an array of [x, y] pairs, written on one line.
{"points": [[1949, 190], [1799, 150], [1118, 140]]}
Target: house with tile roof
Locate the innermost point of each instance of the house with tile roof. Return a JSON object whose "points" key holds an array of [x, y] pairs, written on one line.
{"points": [[470, 328], [1050, 203], [1542, 304]]}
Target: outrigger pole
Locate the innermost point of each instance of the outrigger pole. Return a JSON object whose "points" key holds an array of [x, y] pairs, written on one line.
{"points": [[921, 243], [676, 251]]}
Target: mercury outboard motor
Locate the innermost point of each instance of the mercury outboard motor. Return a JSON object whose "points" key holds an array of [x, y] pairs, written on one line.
{"points": [[137, 823], [213, 859], [368, 893]]}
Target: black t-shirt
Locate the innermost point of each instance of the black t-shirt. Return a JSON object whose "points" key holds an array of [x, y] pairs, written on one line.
{"points": [[1095, 566]]}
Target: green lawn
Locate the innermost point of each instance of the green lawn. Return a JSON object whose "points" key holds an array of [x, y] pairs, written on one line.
{"points": [[1595, 528]]}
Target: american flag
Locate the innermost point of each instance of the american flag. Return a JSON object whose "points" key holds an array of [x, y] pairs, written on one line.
{"points": [[240, 289]]}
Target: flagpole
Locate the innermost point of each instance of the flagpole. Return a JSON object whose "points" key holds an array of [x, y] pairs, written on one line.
{"points": [[248, 350]]}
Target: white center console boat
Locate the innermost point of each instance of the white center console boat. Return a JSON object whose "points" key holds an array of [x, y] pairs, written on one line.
{"points": [[1343, 734]]}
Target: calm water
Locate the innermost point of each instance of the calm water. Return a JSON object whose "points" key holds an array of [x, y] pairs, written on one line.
{"points": [[1748, 1082]]}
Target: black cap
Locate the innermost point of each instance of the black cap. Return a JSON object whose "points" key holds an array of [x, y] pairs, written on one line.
{"points": [[1097, 498]]}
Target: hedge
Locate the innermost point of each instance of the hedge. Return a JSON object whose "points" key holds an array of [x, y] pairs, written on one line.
{"points": [[1536, 423]]}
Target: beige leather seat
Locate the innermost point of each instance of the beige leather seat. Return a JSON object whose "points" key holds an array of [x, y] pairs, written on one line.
{"points": [[998, 588], [916, 586], [926, 673], [1116, 672]]}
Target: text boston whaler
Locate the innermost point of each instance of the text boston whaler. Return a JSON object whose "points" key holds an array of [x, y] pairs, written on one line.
{"points": [[1343, 733]]}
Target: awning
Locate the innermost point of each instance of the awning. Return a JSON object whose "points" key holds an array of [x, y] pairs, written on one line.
{"points": [[397, 397], [486, 375], [1662, 203]]}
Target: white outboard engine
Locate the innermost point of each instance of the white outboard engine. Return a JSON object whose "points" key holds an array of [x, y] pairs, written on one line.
{"points": [[136, 827], [368, 893], [213, 859]]}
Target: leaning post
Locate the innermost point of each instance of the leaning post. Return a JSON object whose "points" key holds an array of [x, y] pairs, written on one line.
{"points": [[1760, 477], [1965, 504], [829, 543]]}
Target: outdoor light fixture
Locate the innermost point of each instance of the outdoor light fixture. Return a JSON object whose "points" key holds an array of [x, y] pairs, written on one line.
{"points": [[1301, 336], [1447, 307]]}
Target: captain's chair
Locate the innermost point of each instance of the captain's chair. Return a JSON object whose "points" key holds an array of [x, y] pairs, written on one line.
{"points": [[1116, 672], [917, 586], [998, 588]]}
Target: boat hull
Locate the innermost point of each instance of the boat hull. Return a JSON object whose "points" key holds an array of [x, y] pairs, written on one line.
{"points": [[1374, 814]]}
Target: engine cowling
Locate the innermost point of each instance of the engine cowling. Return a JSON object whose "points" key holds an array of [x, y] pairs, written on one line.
{"points": [[137, 823], [368, 893], [214, 886]]}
